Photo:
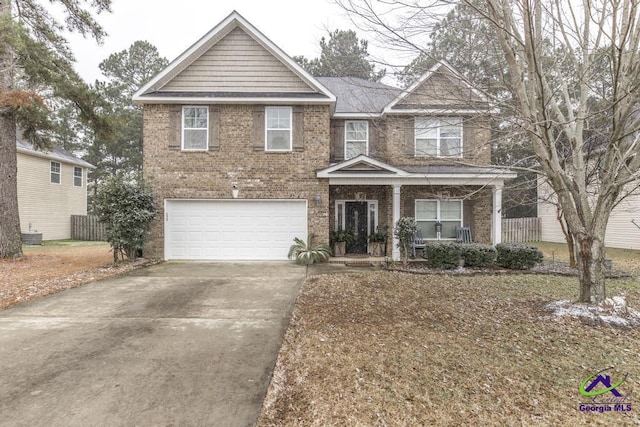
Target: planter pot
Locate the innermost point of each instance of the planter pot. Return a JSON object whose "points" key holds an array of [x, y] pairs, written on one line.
{"points": [[375, 249], [31, 238], [608, 264], [339, 248]]}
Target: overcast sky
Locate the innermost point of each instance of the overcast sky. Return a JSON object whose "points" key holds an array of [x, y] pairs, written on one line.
{"points": [[296, 26]]}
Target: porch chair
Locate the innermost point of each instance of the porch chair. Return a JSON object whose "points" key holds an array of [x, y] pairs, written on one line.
{"points": [[463, 235], [418, 242]]}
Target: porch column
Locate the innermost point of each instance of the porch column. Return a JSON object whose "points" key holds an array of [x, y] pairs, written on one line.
{"points": [[497, 214], [396, 217]]}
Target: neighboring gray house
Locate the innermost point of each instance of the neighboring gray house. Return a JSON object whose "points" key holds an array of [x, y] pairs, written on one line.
{"points": [[52, 186], [246, 150]]}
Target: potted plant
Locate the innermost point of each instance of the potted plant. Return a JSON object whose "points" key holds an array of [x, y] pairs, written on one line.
{"points": [[307, 252], [376, 243], [341, 239]]}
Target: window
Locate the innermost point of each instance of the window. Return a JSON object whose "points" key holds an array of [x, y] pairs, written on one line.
{"points": [[77, 176], [195, 128], [278, 128], [446, 212], [356, 138], [56, 173], [438, 137]]}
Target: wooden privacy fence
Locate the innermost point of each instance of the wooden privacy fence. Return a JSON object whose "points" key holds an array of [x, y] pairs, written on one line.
{"points": [[87, 227], [518, 230]]}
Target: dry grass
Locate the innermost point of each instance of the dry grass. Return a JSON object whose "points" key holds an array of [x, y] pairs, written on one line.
{"points": [[53, 267], [624, 259], [388, 348]]}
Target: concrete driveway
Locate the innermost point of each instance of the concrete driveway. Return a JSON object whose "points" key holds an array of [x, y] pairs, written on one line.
{"points": [[177, 344]]}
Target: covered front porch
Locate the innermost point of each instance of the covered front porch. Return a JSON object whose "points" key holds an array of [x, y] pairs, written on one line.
{"points": [[367, 196]]}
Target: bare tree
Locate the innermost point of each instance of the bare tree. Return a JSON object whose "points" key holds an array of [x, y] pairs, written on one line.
{"points": [[572, 70]]}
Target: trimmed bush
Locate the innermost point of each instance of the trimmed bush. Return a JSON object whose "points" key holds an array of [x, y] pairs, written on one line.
{"points": [[518, 257], [443, 255], [478, 255]]}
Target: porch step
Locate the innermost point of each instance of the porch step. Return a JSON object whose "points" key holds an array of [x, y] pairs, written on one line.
{"points": [[356, 260]]}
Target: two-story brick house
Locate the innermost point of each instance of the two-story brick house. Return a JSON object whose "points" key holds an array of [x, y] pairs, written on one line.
{"points": [[245, 151]]}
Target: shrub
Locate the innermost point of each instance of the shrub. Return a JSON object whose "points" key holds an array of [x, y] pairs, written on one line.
{"points": [[443, 255], [404, 231], [478, 255], [518, 257], [126, 207]]}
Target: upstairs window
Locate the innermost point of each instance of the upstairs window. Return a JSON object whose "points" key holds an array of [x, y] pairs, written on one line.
{"points": [[438, 137], [77, 176], [278, 128], [56, 173], [195, 128], [356, 138]]}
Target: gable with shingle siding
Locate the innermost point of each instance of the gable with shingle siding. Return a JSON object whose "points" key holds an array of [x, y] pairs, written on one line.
{"points": [[441, 90], [237, 63]]}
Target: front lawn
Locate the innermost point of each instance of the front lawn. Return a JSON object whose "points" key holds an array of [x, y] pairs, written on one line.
{"points": [[387, 348]]}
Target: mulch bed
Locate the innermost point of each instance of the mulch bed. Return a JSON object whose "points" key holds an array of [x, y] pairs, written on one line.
{"points": [[545, 267]]}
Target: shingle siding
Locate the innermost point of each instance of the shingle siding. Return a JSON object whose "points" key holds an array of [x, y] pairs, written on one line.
{"points": [[237, 63]]}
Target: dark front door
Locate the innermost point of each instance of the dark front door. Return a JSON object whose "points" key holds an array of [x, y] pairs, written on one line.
{"points": [[356, 221]]}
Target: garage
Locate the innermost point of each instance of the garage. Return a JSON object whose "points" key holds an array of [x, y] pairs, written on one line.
{"points": [[232, 229]]}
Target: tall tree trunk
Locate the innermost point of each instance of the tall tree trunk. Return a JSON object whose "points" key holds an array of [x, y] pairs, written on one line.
{"points": [[10, 237], [591, 253]]}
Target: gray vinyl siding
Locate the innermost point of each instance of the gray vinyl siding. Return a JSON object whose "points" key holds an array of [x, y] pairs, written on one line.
{"points": [[237, 63]]}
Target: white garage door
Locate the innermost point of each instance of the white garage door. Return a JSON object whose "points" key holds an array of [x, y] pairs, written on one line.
{"points": [[233, 229]]}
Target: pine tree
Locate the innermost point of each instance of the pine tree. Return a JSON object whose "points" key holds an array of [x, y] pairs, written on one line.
{"points": [[30, 42]]}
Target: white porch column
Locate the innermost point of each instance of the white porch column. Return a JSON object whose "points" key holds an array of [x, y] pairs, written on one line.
{"points": [[396, 216], [497, 214]]}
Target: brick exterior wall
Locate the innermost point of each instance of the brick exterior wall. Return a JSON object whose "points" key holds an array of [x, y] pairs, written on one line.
{"points": [[259, 174], [476, 143], [477, 205]]}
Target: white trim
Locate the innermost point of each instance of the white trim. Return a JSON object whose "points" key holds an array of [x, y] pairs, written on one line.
{"points": [[443, 111], [81, 177], [438, 126], [366, 140], [470, 180], [438, 214], [356, 116], [341, 225], [497, 214], [183, 129], [242, 101], [51, 162], [395, 209], [233, 20], [326, 173], [266, 130], [423, 78]]}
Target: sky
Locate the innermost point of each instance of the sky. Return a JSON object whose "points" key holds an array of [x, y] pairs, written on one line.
{"points": [[296, 26]]}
